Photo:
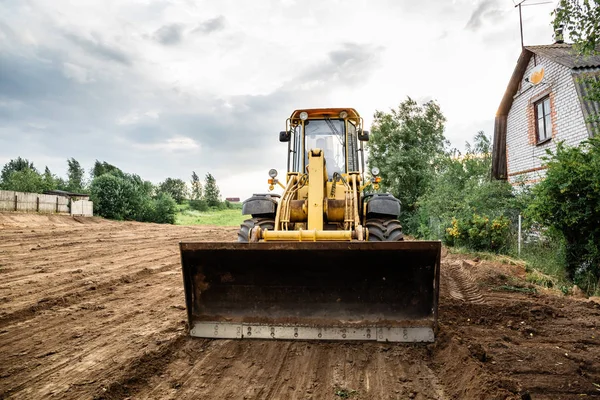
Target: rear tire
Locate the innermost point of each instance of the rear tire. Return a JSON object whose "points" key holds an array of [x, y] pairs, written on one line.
{"points": [[247, 226], [384, 230]]}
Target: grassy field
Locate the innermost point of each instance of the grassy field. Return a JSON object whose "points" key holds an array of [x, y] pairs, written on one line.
{"points": [[227, 217]]}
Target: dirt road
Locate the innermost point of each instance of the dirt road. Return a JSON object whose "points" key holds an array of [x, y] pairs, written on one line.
{"points": [[95, 309]]}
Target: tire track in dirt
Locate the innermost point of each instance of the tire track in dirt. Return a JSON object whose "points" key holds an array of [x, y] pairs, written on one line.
{"points": [[519, 346], [61, 283], [66, 274], [110, 296], [79, 296], [90, 343], [457, 283], [139, 371], [295, 370]]}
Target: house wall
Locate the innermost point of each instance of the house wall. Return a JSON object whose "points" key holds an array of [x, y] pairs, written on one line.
{"points": [[568, 123]]}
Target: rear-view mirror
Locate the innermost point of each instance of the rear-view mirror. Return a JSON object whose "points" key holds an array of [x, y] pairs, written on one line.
{"points": [[284, 136]]}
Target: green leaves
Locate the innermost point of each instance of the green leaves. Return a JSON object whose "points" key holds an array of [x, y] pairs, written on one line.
{"points": [[568, 202], [24, 180], [128, 197], [212, 194], [196, 187], [176, 188], [581, 18], [405, 144], [75, 173]]}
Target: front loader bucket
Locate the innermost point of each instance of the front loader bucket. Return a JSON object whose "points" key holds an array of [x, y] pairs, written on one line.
{"points": [[385, 291]]}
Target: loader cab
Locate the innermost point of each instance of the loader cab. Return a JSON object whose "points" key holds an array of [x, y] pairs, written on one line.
{"points": [[335, 131], [329, 136]]}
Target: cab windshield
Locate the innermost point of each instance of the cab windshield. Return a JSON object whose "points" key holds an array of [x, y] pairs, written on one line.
{"points": [[329, 136]]}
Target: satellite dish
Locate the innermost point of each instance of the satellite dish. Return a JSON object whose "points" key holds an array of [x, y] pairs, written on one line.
{"points": [[536, 75]]}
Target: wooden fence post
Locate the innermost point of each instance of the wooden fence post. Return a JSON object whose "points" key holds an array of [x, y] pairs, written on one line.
{"points": [[16, 202], [57, 204], [37, 204]]}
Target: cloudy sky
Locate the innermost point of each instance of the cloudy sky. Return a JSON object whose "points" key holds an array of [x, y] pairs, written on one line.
{"points": [[164, 87]]}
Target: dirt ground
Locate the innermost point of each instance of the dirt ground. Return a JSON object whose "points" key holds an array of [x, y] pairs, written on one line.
{"points": [[95, 309]]}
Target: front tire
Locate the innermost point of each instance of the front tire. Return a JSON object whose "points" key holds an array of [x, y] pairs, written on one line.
{"points": [[384, 230], [249, 224]]}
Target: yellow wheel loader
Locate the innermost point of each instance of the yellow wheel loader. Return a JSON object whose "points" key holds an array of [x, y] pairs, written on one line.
{"points": [[325, 260]]}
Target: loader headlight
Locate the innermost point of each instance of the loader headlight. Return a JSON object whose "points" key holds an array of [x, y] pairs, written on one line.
{"points": [[374, 171], [303, 115], [273, 173], [343, 114]]}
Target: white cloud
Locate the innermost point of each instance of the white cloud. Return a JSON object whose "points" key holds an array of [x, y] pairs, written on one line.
{"points": [[175, 144], [135, 116], [77, 73], [222, 77]]}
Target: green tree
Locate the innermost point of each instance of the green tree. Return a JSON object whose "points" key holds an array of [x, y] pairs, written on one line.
{"points": [[75, 175], [568, 202], [196, 186], [111, 196], [25, 180], [17, 164], [50, 181], [581, 19], [176, 188], [463, 206], [212, 194], [101, 168], [405, 145]]}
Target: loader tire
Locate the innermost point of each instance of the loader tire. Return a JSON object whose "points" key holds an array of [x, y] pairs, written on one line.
{"points": [[247, 226], [384, 230]]}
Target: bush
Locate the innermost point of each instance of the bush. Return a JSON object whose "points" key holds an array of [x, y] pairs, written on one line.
{"points": [[165, 209], [479, 233], [127, 197], [199, 205], [567, 201], [464, 207], [110, 195]]}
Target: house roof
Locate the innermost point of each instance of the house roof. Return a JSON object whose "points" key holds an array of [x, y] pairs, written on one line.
{"points": [[561, 53], [564, 54]]}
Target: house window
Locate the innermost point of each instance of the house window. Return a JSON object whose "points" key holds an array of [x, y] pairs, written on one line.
{"points": [[543, 121]]}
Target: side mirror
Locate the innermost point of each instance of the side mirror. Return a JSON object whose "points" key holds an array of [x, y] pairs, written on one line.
{"points": [[285, 136], [363, 136]]}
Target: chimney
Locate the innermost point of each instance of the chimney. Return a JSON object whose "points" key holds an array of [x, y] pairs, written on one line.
{"points": [[558, 35]]}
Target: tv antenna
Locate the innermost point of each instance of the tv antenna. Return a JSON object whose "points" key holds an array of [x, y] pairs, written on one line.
{"points": [[522, 3]]}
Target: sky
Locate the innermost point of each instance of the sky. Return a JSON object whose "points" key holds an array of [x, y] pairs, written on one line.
{"points": [[162, 88]]}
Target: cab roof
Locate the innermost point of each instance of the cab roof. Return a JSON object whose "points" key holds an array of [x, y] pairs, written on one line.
{"points": [[317, 113]]}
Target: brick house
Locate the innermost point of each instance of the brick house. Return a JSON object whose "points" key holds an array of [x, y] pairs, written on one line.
{"points": [[534, 117]]}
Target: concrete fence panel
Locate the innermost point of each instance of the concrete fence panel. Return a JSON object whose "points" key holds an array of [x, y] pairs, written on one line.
{"points": [[44, 203], [82, 208], [62, 204], [7, 200], [27, 201], [48, 203]]}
